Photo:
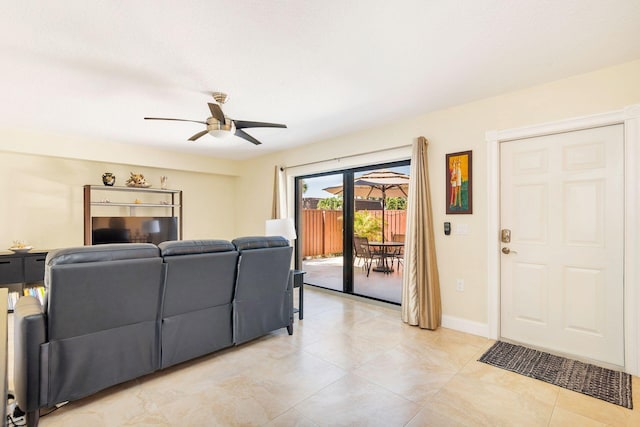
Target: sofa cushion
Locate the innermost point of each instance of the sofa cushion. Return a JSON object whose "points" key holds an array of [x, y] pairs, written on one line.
{"points": [[98, 253], [187, 247], [263, 299], [109, 252], [86, 297], [259, 242]]}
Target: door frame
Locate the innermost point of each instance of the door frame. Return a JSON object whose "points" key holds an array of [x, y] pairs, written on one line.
{"points": [[630, 118]]}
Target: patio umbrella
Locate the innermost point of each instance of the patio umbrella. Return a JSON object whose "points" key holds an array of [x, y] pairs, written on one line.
{"points": [[381, 183]]}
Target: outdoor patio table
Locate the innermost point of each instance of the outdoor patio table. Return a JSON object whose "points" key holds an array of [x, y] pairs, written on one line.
{"points": [[387, 250]]}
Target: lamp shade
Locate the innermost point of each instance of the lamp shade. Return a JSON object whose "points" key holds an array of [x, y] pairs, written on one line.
{"points": [[281, 227], [151, 226]]}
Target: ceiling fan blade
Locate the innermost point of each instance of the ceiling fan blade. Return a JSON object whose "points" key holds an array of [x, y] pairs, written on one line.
{"points": [[242, 124], [242, 134], [216, 112], [175, 120], [198, 135]]}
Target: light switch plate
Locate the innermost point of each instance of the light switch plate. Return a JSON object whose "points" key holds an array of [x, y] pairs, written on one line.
{"points": [[462, 229]]}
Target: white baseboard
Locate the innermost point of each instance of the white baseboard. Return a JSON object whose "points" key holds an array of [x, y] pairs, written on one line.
{"points": [[464, 325]]}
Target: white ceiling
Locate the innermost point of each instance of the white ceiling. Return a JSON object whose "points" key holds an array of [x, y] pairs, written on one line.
{"points": [[93, 69]]}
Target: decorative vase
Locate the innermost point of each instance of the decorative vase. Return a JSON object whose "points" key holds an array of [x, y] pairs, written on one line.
{"points": [[108, 179]]}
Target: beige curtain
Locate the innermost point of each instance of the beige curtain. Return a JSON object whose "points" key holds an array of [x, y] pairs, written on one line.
{"points": [[420, 282], [279, 208]]}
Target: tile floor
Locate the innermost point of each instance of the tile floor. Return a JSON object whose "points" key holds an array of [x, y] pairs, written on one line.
{"points": [[349, 363]]}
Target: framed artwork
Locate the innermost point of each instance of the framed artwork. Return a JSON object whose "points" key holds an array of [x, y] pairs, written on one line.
{"points": [[459, 179]]}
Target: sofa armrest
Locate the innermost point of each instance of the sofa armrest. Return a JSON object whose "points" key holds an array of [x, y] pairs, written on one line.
{"points": [[29, 333]]}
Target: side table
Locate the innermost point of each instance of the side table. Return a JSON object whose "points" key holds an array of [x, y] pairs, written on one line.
{"points": [[298, 282]]}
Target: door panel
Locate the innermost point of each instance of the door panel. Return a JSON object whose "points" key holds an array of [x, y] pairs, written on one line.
{"points": [[530, 293], [584, 213], [321, 232], [584, 289], [531, 213], [562, 282]]}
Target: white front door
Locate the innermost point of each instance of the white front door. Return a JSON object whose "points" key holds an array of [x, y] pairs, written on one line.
{"points": [[562, 198]]}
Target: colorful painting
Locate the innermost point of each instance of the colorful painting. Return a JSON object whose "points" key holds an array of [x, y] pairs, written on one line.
{"points": [[459, 193]]}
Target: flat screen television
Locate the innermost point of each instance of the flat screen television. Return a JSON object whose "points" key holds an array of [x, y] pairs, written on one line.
{"points": [[133, 229]]}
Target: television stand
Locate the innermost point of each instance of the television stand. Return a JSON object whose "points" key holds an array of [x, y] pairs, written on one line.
{"points": [[98, 202]]}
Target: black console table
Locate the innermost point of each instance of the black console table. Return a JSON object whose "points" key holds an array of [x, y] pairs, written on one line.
{"points": [[21, 269], [26, 267]]}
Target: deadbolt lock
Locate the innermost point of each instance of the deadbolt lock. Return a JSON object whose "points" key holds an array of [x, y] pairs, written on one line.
{"points": [[505, 235]]}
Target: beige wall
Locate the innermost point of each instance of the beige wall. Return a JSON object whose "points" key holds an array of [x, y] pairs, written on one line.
{"points": [[42, 198], [455, 129]]}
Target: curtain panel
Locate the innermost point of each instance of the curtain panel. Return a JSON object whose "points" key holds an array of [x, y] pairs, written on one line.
{"points": [[421, 303], [279, 208]]}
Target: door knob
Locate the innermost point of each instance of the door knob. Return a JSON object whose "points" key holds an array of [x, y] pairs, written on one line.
{"points": [[508, 251]]}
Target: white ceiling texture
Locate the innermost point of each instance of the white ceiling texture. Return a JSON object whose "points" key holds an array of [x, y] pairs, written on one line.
{"points": [[93, 69]]}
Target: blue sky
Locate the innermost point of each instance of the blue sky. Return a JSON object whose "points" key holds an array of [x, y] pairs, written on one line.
{"points": [[315, 185]]}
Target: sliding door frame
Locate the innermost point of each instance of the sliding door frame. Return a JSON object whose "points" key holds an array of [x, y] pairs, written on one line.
{"points": [[348, 212]]}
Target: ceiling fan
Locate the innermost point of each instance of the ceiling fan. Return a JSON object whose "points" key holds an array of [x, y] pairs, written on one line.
{"points": [[221, 126]]}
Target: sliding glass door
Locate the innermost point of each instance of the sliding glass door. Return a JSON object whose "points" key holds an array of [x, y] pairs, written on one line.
{"points": [[351, 229], [320, 227], [379, 222]]}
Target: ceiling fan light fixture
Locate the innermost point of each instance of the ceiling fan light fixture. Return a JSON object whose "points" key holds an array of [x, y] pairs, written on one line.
{"points": [[219, 133], [221, 130]]}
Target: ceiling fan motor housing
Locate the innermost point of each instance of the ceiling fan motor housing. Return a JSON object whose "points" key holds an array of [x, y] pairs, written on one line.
{"points": [[220, 97]]}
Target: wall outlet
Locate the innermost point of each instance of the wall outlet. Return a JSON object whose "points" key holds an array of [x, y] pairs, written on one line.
{"points": [[459, 285]]}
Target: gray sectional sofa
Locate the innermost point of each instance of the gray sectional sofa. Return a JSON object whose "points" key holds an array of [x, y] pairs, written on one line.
{"points": [[119, 311]]}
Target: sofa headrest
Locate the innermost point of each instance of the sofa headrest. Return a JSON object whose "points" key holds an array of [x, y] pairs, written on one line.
{"points": [[259, 242], [97, 253], [187, 247]]}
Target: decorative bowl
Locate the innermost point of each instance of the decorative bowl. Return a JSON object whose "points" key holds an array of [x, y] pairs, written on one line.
{"points": [[21, 250]]}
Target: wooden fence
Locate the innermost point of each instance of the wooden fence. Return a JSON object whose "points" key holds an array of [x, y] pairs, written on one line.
{"points": [[322, 229]]}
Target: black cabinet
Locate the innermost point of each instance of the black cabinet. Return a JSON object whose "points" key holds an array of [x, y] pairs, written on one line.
{"points": [[22, 268], [11, 270], [34, 267], [18, 270]]}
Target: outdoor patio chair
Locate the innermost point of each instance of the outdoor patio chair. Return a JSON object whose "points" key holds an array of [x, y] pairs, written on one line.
{"points": [[399, 253], [363, 251]]}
